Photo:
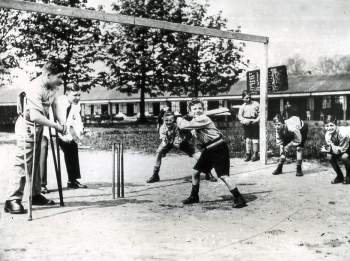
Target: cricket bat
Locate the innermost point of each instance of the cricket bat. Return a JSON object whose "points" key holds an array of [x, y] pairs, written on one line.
{"points": [[223, 111]]}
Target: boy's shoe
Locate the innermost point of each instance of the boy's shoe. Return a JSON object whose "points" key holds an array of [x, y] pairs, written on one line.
{"points": [[154, 178], [44, 190], [40, 200], [238, 200], [14, 206], [278, 170], [337, 180], [248, 157], [299, 171], [191, 200], [255, 156], [346, 180], [75, 184]]}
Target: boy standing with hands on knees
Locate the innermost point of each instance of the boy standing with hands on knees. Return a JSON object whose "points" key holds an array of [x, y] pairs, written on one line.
{"points": [[215, 152]]}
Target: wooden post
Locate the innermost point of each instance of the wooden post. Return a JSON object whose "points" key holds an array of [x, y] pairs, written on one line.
{"points": [[263, 107], [345, 106], [113, 171]]}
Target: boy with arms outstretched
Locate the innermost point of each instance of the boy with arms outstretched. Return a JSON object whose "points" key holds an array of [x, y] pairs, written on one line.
{"points": [[173, 137], [215, 152]]}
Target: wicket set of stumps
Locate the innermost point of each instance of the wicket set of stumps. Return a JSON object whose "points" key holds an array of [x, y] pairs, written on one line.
{"points": [[119, 147]]}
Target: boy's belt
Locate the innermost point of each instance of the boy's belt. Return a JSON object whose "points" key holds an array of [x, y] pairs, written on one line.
{"points": [[213, 143]]}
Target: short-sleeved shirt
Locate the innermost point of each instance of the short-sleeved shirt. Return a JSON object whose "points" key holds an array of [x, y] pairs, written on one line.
{"points": [[250, 111], [290, 132], [39, 98]]}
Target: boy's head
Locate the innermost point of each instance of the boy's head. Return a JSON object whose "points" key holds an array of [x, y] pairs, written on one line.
{"points": [[196, 107], [330, 123], [169, 119], [246, 96], [52, 73], [73, 93], [278, 121]]}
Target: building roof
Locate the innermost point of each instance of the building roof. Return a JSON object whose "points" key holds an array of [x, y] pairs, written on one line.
{"points": [[297, 86]]}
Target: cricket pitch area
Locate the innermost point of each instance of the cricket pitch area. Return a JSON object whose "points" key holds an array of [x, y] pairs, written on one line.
{"points": [[287, 217]]}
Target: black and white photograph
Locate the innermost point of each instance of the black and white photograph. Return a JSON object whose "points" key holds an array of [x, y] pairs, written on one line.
{"points": [[174, 130]]}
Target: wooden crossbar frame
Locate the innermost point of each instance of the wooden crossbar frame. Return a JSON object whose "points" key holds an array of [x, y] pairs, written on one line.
{"points": [[131, 20]]}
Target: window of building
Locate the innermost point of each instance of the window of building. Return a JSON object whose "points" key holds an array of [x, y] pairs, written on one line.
{"points": [[310, 104], [326, 102], [175, 106]]}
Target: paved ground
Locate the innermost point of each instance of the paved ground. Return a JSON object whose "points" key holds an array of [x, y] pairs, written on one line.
{"points": [[287, 217]]}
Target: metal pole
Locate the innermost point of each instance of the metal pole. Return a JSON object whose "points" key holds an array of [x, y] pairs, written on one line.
{"points": [[122, 169], [113, 171], [118, 171]]}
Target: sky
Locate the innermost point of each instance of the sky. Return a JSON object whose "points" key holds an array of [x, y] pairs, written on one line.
{"points": [[311, 29]]}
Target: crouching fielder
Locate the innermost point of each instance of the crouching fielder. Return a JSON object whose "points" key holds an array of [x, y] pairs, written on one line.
{"points": [[338, 140], [291, 132], [215, 152]]}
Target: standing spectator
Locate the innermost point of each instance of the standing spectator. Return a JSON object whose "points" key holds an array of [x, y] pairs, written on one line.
{"points": [[249, 116], [41, 93], [338, 141], [70, 107]]}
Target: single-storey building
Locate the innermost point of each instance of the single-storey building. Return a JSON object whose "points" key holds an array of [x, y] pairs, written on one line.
{"points": [[309, 97]]}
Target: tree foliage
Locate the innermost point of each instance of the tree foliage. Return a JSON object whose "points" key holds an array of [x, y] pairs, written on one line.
{"points": [[70, 40], [154, 61], [296, 65], [9, 23]]}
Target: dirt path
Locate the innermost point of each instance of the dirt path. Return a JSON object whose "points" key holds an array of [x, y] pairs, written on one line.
{"points": [[287, 217]]}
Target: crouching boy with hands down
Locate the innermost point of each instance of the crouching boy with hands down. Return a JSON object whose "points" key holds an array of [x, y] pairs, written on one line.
{"points": [[215, 152]]}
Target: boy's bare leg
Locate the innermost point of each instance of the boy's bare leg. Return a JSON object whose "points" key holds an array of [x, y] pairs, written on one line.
{"points": [[157, 164], [194, 198]]}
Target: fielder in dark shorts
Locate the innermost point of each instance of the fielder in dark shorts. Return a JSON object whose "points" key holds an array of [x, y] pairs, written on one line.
{"points": [[291, 132], [215, 152]]}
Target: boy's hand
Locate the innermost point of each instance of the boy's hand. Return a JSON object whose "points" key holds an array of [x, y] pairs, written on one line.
{"points": [[326, 149], [188, 117]]}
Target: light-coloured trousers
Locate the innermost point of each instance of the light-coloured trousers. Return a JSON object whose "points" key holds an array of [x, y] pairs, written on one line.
{"points": [[17, 180]]}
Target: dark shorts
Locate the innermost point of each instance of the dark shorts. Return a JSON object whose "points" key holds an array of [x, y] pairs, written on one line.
{"points": [[303, 131], [217, 157], [185, 146], [251, 131]]}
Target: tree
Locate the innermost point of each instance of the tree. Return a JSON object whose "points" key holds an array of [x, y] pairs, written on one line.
{"points": [[295, 65], [154, 61], [73, 41], [10, 21], [203, 64]]}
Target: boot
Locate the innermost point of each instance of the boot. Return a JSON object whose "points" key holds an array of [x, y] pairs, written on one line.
{"points": [[238, 200], [255, 156], [154, 178], [299, 171], [193, 198], [347, 178], [278, 170], [247, 157], [340, 176], [209, 176]]}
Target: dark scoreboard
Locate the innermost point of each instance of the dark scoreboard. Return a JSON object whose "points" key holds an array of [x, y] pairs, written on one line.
{"points": [[277, 80]]}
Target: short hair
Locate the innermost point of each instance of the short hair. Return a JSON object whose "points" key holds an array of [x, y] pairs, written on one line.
{"points": [[278, 118], [53, 67], [245, 93], [330, 118], [73, 87], [193, 102], [168, 113]]}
